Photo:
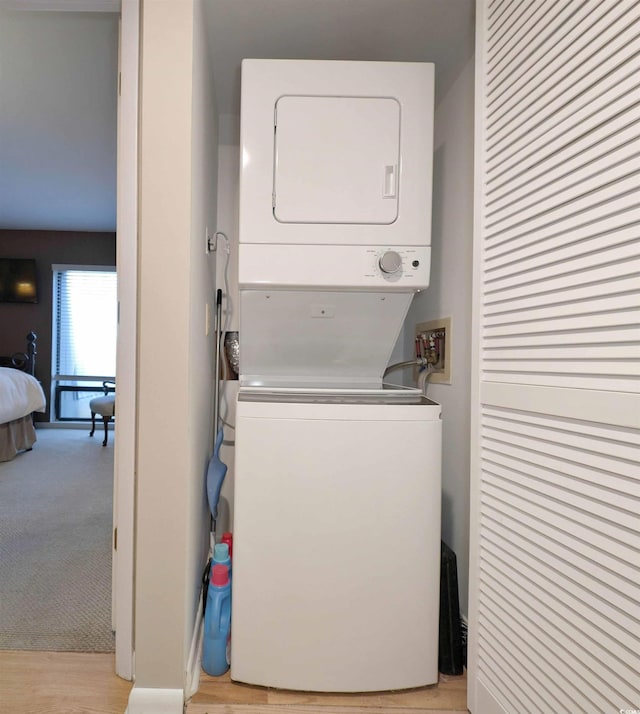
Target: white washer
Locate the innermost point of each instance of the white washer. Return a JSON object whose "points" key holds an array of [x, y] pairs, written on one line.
{"points": [[336, 540]]}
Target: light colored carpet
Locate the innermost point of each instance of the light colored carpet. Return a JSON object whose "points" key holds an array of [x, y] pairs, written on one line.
{"points": [[55, 544]]}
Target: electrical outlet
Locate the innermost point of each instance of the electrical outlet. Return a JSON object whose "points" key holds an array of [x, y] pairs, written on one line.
{"points": [[209, 242], [433, 343]]}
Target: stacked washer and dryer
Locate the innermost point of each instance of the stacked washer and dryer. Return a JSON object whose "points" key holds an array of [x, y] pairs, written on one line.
{"points": [[337, 475]]}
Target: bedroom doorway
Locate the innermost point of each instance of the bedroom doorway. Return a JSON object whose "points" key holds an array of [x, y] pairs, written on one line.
{"points": [[63, 187]]}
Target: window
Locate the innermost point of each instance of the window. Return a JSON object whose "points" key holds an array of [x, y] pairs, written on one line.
{"points": [[84, 335]]}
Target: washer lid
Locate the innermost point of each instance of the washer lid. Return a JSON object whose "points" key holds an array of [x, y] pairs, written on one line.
{"points": [[318, 338]]}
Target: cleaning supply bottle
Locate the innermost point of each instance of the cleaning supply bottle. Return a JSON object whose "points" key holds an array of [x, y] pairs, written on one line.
{"points": [[227, 538], [216, 651], [221, 556]]}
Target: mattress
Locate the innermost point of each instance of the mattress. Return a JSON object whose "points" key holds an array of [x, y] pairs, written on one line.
{"points": [[20, 394]]}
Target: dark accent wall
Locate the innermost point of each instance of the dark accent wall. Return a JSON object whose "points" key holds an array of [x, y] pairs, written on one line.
{"points": [[48, 248]]}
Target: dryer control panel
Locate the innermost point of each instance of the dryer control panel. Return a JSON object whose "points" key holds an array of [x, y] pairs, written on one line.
{"points": [[398, 268]]}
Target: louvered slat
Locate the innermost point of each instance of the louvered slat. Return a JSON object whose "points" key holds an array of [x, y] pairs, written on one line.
{"points": [[609, 439], [529, 182], [554, 293], [581, 269], [554, 255], [538, 687], [575, 448], [578, 123], [564, 521], [611, 308], [610, 168], [510, 62], [568, 343], [582, 208], [585, 379], [559, 653], [617, 671], [506, 47], [565, 76], [551, 237], [586, 595]]}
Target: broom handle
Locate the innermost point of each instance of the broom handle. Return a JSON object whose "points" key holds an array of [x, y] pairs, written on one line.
{"points": [[216, 387]]}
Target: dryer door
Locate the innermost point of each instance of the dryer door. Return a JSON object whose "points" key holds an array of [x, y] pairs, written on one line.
{"points": [[336, 160]]}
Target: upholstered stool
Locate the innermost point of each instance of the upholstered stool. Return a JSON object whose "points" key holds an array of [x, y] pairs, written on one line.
{"points": [[106, 407]]}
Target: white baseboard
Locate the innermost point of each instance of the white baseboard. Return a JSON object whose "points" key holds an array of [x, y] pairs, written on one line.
{"points": [[192, 678], [144, 700], [171, 701]]}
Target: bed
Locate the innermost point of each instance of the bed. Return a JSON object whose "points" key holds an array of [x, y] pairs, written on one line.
{"points": [[20, 396]]}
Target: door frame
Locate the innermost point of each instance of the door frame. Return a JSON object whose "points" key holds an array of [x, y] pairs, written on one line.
{"points": [[126, 359]]}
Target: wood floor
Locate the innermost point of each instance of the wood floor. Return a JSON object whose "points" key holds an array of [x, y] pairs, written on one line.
{"points": [[219, 695], [75, 683], [60, 683]]}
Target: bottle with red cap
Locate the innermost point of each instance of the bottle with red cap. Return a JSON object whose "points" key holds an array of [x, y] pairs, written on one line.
{"points": [[221, 556], [216, 651], [228, 539]]}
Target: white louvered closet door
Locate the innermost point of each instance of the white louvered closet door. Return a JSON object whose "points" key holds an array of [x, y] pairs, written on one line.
{"points": [[555, 483]]}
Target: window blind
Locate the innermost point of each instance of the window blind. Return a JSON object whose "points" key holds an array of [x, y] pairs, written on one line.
{"points": [[86, 322]]}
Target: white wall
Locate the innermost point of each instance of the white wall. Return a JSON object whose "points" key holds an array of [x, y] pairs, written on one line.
{"points": [[449, 294], [58, 86], [178, 169], [204, 176]]}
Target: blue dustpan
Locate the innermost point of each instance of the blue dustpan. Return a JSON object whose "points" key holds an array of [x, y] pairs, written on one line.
{"points": [[215, 476], [216, 470]]}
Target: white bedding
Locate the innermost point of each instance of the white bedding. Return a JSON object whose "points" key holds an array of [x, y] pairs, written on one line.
{"points": [[20, 394]]}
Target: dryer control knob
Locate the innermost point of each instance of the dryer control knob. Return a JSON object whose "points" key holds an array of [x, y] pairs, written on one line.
{"points": [[390, 262]]}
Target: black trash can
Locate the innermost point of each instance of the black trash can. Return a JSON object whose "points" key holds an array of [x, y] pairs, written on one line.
{"points": [[450, 650]]}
